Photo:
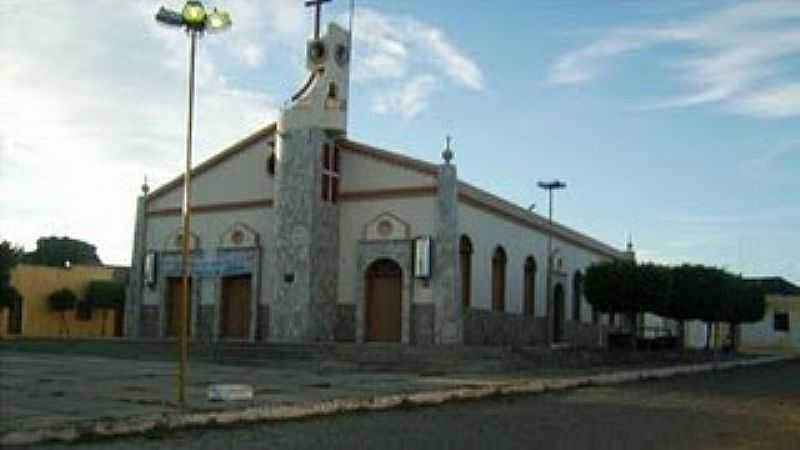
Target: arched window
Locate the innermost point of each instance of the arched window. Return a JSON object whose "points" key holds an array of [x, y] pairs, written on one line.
{"points": [[499, 280], [577, 296], [465, 253], [529, 288]]}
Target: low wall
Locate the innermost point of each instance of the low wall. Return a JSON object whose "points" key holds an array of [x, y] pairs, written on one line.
{"points": [[483, 327], [422, 323], [345, 329], [148, 321], [585, 335]]}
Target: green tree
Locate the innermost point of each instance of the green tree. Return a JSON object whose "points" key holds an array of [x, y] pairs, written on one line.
{"points": [[56, 251], [686, 292], [745, 303], [105, 295], [8, 296], [61, 301], [624, 286]]}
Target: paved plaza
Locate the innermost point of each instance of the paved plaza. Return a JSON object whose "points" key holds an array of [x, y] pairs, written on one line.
{"points": [[115, 382], [754, 409]]}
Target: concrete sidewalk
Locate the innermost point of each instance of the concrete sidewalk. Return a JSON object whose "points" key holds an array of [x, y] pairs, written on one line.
{"points": [[67, 397]]}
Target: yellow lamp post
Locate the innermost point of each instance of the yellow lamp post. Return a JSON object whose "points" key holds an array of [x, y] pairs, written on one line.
{"points": [[195, 20]]}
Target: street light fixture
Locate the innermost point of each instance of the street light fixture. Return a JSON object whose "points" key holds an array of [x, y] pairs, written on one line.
{"points": [[195, 20], [550, 186]]}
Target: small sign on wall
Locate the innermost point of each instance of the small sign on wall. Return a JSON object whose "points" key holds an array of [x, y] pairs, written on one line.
{"points": [[150, 269], [422, 257]]}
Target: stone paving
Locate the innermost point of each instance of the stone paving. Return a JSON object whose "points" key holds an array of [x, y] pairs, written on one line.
{"points": [[45, 390], [41, 391]]}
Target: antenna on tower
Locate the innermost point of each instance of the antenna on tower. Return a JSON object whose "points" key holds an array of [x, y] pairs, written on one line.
{"points": [[352, 14], [350, 43]]}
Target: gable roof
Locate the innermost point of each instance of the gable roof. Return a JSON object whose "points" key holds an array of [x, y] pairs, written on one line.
{"points": [[486, 200], [511, 211], [209, 163], [467, 192], [775, 285]]}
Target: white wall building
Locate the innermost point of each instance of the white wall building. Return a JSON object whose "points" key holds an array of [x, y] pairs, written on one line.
{"points": [[302, 235]]}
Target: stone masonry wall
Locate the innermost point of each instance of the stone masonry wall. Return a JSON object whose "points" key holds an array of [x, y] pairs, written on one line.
{"points": [[446, 276], [422, 326], [345, 323], [148, 321], [306, 243], [495, 328]]}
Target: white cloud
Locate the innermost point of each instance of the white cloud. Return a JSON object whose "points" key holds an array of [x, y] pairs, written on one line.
{"points": [[410, 99], [736, 58], [86, 110], [582, 65], [420, 58], [771, 102]]}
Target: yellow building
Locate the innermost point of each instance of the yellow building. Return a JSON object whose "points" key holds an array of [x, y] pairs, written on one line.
{"points": [[34, 318]]}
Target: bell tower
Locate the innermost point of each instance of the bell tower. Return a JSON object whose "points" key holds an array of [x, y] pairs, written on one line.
{"points": [[307, 182]]}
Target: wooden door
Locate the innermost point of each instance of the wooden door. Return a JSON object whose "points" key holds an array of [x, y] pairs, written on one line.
{"points": [[236, 307], [558, 314], [384, 301], [119, 321], [15, 317], [173, 305]]}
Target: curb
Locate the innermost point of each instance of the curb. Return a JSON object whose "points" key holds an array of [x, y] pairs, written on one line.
{"points": [[108, 428]]}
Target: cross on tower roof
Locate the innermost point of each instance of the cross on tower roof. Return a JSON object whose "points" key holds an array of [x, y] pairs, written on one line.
{"points": [[317, 4]]}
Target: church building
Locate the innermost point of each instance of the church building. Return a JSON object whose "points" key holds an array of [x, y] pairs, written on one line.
{"points": [[301, 235]]}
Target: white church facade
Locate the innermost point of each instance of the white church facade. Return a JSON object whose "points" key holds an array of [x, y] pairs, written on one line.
{"points": [[302, 235]]}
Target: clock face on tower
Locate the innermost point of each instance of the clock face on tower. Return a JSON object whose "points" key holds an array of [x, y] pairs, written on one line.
{"points": [[316, 52]]}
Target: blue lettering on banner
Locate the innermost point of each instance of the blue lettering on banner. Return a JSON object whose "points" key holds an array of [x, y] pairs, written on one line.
{"points": [[225, 264]]}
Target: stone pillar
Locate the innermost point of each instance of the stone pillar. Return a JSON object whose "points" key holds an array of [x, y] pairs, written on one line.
{"points": [[306, 242], [135, 291], [448, 320]]}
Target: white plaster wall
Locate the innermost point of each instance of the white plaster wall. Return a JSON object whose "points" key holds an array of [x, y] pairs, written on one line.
{"points": [[696, 332], [354, 215], [362, 173], [241, 177], [487, 231], [210, 228]]}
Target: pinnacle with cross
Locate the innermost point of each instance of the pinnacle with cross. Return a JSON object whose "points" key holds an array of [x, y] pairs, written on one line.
{"points": [[447, 154], [317, 4]]}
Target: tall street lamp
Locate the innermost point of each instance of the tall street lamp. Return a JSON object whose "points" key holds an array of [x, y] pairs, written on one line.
{"points": [[195, 20], [550, 186]]}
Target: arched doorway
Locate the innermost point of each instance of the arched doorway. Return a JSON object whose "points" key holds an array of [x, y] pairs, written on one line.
{"points": [[384, 301], [529, 287], [173, 307], [558, 313], [499, 279], [465, 254], [235, 307]]}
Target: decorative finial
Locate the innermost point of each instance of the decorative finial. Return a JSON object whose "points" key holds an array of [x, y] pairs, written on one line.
{"points": [[448, 154], [145, 187], [629, 245]]}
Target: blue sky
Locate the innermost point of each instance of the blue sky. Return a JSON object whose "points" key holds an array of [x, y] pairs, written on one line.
{"points": [[673, 121]]}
